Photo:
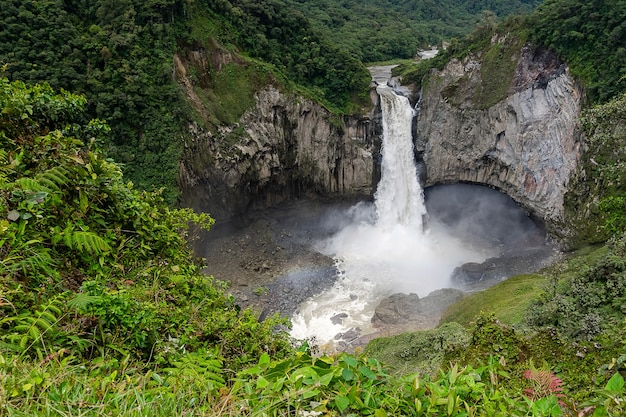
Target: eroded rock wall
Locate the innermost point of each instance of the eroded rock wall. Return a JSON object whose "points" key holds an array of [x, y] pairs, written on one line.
{"points": [[525, 145], [284, 147]]}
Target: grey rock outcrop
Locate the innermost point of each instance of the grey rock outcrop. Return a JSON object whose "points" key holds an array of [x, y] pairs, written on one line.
{"points": [[402, 308], [284, 147], [525, 145]]}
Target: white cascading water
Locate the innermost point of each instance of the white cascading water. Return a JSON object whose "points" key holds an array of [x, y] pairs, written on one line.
{"points": [[399, 197], [384, 249]]}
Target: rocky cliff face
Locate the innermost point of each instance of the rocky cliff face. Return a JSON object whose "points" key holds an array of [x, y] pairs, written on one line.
{"points": [[525, 145], [283, 147], [523, 142]]}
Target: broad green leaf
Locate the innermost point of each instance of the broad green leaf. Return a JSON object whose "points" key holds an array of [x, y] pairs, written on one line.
{"points": [[264, 360], [616, 383], [350, 361], [367, 372], [310, 393], [342, 402], [305, 372], [347, 375], [278, 385], [262, 382], [326, 379]]}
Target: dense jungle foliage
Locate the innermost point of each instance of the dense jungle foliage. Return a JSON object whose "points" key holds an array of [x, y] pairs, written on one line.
{"points": [[104, 310], [92, 265], [375, 30], [590, 37], [119, 55]]}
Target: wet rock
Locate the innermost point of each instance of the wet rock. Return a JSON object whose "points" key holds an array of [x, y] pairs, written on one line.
{"points": [[473, 272], [396, 308], [338, 318], [350, 335], [475, 276], [402, 308]]}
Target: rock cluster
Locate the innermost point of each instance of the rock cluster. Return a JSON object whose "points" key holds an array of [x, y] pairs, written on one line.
{"points": [[402, 308]]}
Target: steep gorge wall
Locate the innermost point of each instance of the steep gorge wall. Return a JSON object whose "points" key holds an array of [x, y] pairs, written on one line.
{"points": [[525, 145], [283, 147]]}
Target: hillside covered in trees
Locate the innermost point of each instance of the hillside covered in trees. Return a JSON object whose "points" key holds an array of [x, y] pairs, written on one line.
{"points": [[104, 310], [375, 30], [119, 55]]}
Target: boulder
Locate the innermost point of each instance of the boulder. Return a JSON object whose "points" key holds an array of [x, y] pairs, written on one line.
{"points": [[402, 308]]}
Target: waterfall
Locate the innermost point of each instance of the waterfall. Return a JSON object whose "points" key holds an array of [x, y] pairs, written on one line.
{"points": [[381, 248], [399, 197]]}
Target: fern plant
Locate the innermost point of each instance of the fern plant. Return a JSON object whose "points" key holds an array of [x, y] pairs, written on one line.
{"points": [[85, 241], [28, 331]]}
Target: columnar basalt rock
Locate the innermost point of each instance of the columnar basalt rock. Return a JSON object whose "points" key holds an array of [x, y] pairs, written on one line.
{"points": [[284, 147], [526, 145]]}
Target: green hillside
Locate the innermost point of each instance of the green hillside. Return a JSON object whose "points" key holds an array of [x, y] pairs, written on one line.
{"points": [[119, 54], [380, 30]]}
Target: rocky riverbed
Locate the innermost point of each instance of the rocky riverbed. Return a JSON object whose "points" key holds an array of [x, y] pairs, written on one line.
{"points": [[269, 258]]}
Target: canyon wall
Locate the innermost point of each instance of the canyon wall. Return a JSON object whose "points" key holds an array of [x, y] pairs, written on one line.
{"points": [[284, 147], [523, 142], [525, 145]]}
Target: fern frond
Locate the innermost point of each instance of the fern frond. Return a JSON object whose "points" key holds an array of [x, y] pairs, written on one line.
{"points": [[30, 261], [82, 301], [47, 317], [31, 184], [87, 242], [54, 178], [10, 346]]}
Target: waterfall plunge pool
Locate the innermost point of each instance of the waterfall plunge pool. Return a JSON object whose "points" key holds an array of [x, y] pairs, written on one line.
{"points": [[386, 250]]}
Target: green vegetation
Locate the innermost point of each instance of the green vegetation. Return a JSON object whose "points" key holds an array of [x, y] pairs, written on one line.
{"points": [[94, 268], [119, 54], [103, 310], [570, 319], [280, 35], [422, 352], [588, 301], [376, 31], [596, 198], [589, 36], [507, 300], [496, 46]]}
